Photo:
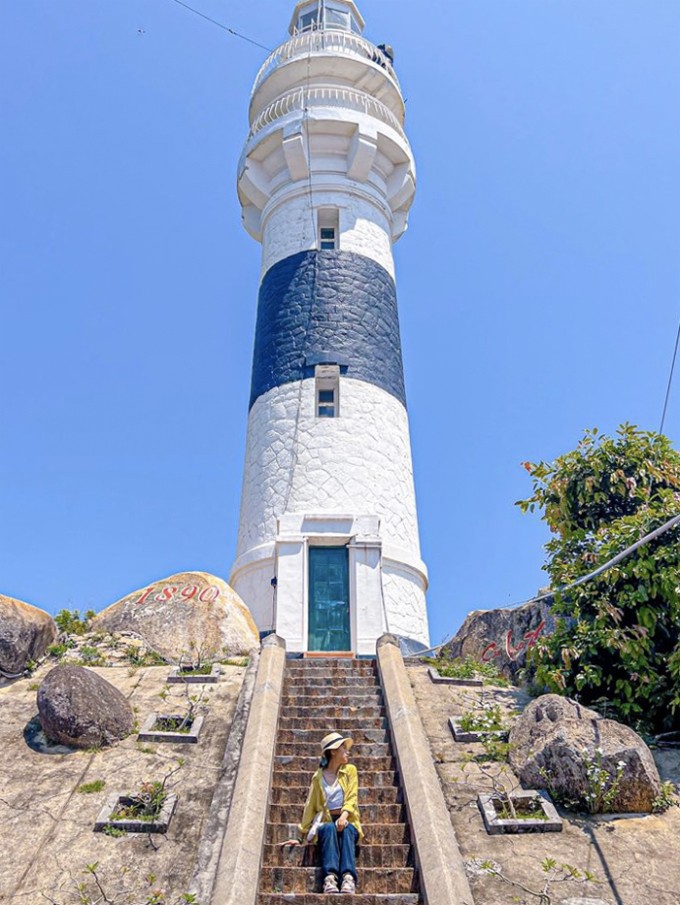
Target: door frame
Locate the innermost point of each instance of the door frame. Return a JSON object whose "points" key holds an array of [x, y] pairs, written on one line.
{"points": [[360, 534]]}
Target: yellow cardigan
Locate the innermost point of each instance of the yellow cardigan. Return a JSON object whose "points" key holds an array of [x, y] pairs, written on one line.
{"points": [[316, 800]]}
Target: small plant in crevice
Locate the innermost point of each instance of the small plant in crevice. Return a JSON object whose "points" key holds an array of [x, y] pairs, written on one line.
{"points": [[90, 656], [87, 788], [542, 893], [143, 657], [603, 783], [667, 798], [467, 668], [495, 749]]}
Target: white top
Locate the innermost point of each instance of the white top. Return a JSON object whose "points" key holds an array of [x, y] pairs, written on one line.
{"points": [[335, 797]]}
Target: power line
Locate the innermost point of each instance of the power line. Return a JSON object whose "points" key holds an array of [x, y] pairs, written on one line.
{"points": [[221, 25], [670, 380], [673, 522]]}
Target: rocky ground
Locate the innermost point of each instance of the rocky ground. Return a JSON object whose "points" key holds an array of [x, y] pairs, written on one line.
{"points": [[47, 817], [634, 859]]}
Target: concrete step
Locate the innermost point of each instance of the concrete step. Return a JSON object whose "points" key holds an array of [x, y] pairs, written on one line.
{"points": [[370, 813], [297, 795], [360, 751], [298, 685], [350, 725], [328, 713], [304, 762], [367, 856], [331, 663], [311, 738], [375, 833], [278, 898], [378, 779], [340, 662], [371, 698], [329, 681], [310, 879]]}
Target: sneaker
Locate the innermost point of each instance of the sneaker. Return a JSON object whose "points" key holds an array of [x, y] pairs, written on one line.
{"points": [[330, 883], [348, 884]]}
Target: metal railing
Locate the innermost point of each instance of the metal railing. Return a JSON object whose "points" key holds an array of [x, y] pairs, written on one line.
{"points": [[328, 41], [325, 96]]}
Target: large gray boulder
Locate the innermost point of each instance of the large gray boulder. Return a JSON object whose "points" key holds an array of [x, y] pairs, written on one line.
{"points": [[188, 616], [556, 741], [25, 634], [501, 636], [79, 708]]}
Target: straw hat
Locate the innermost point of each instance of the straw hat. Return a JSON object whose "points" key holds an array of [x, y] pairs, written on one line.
{"points": [[333, 740]]}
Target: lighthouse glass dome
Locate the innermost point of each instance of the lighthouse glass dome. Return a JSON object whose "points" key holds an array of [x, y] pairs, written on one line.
{"points": [[328, 15]]}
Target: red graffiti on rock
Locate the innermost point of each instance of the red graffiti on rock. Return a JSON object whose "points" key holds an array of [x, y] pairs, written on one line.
{"points": [[492, 651], [185, 593]]}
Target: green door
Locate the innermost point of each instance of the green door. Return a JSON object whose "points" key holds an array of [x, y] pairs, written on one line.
{"points": [[329, 599]]}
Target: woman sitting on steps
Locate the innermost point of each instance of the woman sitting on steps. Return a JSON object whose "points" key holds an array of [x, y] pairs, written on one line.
{"points": [[332, 814]]}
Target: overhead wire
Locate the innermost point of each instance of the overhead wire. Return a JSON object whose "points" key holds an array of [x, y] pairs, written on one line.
{"points": [[562, 589], [221, 25], [670, 380]]}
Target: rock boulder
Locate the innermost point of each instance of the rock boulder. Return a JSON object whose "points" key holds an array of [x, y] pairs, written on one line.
{"points": [[79, 708], [25, 634], [188, 616], [501, 636], [553, 741]]}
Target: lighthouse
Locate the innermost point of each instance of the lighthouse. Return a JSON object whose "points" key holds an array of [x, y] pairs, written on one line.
{"points": [[328, 552]]}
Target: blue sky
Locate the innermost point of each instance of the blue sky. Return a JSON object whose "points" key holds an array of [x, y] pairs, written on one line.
{"points": [[539, 284]]}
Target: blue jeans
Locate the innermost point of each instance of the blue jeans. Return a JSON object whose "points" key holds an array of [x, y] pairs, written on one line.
{"points": [[338, 850]]}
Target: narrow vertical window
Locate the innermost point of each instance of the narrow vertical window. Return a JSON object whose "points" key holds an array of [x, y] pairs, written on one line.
{"points": [[329, 232], [327, 391]]}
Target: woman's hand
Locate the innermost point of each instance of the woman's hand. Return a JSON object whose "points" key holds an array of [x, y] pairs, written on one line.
{"points": [[290, 842], [342, 821]]}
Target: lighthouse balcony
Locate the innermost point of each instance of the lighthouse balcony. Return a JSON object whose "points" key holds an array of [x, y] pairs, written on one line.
{"points": [[325, 96], [328, 56]]}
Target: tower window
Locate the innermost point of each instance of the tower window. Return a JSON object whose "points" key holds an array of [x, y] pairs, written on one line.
{"points": [[308, 21], [327, 237], [328, 228], [327, 389], [336, 16]]}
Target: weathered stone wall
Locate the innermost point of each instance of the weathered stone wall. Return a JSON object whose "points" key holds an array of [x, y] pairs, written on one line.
{"points": [[357, 463], [327, 306], [364, 229]]}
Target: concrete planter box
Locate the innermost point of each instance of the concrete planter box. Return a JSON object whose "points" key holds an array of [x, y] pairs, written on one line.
{"points": [[158, 825], [178, 677], [461, 736], [495, 825], [150, 734], [442, 680]]}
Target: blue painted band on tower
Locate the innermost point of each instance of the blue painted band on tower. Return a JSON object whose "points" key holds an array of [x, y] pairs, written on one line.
{"points": [[327, 306]]}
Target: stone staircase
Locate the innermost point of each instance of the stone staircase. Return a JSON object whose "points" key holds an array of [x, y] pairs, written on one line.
{"points": [[322, 696]]}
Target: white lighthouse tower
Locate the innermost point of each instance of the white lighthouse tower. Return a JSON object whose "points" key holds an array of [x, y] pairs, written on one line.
{"points": [[328, 551]]}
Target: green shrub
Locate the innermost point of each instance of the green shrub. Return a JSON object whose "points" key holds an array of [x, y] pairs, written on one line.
{"points": [[616, 639], [70, 623]]}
